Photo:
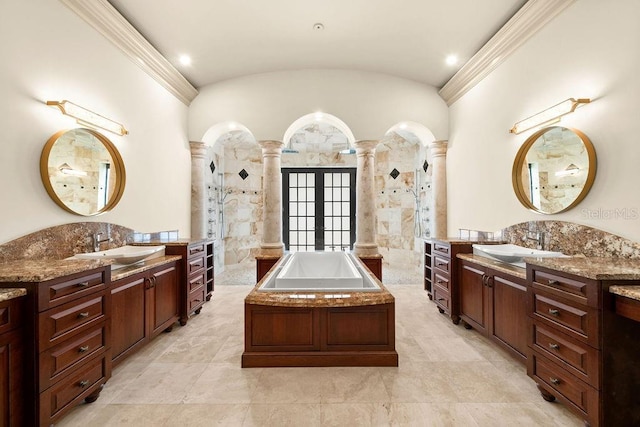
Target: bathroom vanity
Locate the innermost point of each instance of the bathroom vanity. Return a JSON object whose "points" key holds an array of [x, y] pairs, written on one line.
{"points": [[67, 355], [13, 385], [492, 299], [582, 351]]}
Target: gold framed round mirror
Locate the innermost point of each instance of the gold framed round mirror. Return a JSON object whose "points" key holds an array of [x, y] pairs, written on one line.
{"points": [[82, 171], [554, 170]]}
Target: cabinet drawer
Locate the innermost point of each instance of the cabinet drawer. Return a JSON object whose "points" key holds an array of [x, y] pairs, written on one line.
{"points": [[194, 265], [11, 314], [582, 359], [56, 360], [557, 379], [442, 281], [563, 286], [58, 324], [195, 250], [443, 248], [72, 389], [62, 292], [196, 282], [575, 320], [442, 298], [196, 298], [442, 263]]}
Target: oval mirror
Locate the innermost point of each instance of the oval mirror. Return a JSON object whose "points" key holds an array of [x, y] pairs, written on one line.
{"points": [[82, 171], [554, 170]]}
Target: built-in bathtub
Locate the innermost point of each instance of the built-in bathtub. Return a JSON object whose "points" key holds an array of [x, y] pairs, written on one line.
{"points": [[319, 309], [319, 271]]}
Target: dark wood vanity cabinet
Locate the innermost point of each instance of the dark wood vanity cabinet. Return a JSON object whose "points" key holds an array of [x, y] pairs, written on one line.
{"points": [[580, 351], [494, 303], [67, 346], [13, 358], [197, 276], [444, 275], [143, 305], [428, 268]]}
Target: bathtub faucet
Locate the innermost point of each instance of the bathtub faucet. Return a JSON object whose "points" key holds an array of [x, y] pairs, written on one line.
{"points": [[97, 239]]}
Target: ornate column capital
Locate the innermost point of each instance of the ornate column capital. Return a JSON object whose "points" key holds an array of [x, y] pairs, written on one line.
{"points": [[366, 146], [198, 149], [438, 148], [271, 147]]}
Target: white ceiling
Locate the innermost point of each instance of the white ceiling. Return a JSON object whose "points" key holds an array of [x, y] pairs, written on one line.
{"points": [[232, 38]]}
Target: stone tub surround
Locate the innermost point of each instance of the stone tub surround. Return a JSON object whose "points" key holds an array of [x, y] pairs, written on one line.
{"points": [[7, 294], [284, 299]]}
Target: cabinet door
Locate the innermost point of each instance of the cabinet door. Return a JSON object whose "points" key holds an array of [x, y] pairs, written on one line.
{"points": [[163, 297], [473, 296], [13, 392], [509, 310], [127, 314]]}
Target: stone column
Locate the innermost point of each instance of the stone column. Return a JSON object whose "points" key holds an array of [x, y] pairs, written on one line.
{"points": [[271, 244], [198, 190], [365, 200], [439, 183]]}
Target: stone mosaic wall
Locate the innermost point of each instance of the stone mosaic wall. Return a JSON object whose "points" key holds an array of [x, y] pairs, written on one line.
{"points": [[403, 199]]}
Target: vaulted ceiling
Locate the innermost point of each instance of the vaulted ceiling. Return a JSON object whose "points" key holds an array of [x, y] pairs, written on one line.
{"points": [[230, 38]]}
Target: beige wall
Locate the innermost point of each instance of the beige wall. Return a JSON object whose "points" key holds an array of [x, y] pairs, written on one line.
{"points": [[591, 50], [49, 53]]}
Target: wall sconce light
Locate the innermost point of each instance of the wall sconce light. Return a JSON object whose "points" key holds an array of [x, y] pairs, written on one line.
{"points": [[87, 117], [549, 116], [68, 170], [570, 170]]}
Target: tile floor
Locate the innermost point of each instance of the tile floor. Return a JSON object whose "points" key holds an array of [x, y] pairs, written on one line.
{"points": [[448, 376]]}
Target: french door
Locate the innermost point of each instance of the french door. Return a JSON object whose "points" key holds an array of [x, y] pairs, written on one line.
{"points": [[319, 208]]}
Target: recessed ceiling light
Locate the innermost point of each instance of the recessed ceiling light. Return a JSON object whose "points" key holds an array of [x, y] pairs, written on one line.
{"points": [[318, 26], [452, 59], [185, 59]]}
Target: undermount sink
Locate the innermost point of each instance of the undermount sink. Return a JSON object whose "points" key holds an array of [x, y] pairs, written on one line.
{"points": [[513, 254], [124, 255]]}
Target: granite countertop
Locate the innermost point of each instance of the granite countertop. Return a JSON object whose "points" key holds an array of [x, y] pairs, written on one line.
{"points": [[42, 270], [7, 294], [631, 292], [500, 266], [147, 264], [170, 242], [22, 271], [592, 267]]}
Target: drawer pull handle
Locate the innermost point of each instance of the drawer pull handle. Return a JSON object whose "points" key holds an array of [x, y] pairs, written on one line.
{"points": [[554, 381], [439, 282], [553, 282], [441, 299], [554, 312], [83, 315], [554, 346], [83, 383], [439, 264], [83, 349], [83, 284]]}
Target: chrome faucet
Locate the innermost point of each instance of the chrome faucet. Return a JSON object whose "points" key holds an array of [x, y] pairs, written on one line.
{"points": [[536, 236], [97, 239]]}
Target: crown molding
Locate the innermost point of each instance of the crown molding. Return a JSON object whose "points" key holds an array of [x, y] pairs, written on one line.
{"points": [[111, 24], [531, 17]]}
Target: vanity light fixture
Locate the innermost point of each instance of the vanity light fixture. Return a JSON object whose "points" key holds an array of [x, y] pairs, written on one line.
{"points": [[549, 116], [87, 117], [68, 170]]}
